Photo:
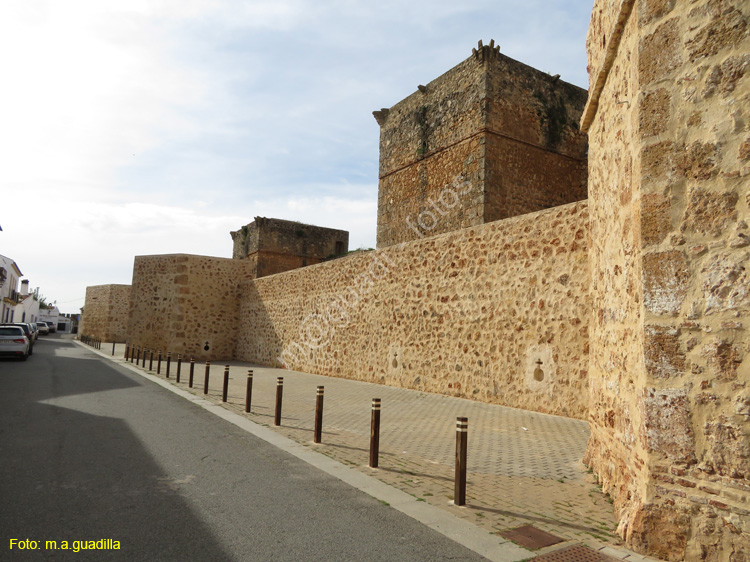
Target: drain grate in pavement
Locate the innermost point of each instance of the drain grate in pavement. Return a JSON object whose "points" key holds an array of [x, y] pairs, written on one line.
{"points": [[530, 537], [575, 553]]}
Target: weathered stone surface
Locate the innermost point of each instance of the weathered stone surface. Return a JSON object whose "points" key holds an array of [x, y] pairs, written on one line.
{"points": [[655, 218], [655, 111], [724, 32], [667, 426], [725, 283], [490, 139], [663, 355], [698, 161], [275, 245], [467, 313], [105, 312], [665, 278], [185, 317], [659, 52], [709, 212], [662, 530], [728, 448]]}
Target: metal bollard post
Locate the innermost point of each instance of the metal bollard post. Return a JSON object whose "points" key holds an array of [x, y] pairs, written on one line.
{"points": [[132, 353], [158, 364], [318, 415], [169, 361], [179, 365], [462, 434], [150, 360], [249, 390], [113, 349], [126, 350], [279, 394], [192, 369], [205, 378], [375, 433], [226, 384]]}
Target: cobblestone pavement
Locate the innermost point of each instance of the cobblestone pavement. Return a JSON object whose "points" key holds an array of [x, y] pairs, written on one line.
{"points": [[524, 468]]}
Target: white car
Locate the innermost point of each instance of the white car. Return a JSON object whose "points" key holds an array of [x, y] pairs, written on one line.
{"points": [[14, 342]]}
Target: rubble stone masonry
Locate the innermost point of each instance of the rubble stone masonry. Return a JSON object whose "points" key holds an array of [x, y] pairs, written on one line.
{"points": [[490, 139], [669, 162], [497, 313], [183, 303], [105, 312]]}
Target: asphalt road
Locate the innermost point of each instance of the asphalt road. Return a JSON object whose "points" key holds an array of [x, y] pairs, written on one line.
{"points": [[90, 451]]}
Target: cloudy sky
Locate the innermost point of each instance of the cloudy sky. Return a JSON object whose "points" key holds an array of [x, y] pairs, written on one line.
{"points": [[131, 127]]}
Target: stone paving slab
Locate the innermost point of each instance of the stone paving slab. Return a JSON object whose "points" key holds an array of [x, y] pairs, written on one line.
{"points": [[524, 468]]}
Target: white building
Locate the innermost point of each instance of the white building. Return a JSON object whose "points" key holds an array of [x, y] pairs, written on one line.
{"points": [[16, 306], [9, 276]]}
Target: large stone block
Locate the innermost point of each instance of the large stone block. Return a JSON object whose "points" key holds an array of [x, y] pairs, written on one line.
{"points": [[665, 279], [667, 427]]}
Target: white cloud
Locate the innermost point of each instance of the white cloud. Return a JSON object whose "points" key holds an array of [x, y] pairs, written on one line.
{"points": [[151, 126]]}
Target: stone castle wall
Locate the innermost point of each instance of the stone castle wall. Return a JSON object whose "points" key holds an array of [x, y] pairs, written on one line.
{"points": [[497, 313], [183, 303], [105, 312], [276, 245], [489, 139], [670, 376]]}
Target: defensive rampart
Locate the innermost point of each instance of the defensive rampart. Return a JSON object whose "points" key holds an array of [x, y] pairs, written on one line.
{"points": [[497, 312], [105, 315]]}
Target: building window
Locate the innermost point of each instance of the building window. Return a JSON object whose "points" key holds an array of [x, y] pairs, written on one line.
{"points": [[339, 247]]}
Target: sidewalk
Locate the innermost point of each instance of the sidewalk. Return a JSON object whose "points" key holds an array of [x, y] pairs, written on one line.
{"points": [[524, 468]]}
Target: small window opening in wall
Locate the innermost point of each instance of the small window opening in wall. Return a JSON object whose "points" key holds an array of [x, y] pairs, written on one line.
{"points": [[538, 372], [339, 247]]}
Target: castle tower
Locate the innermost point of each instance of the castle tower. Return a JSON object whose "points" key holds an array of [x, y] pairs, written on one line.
{"points": [[490, 139]]}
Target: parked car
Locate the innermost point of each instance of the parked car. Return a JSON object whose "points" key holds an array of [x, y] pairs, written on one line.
{"points": [[52, 327], [35, 329], [27, 331], [43, 328], [14, 342]]}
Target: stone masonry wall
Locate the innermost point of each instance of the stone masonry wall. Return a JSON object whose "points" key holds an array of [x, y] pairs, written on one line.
{"points": [[276, 245], [489, 139], [429, 141], [670, 161], [181, 303], [497, 313], [105, 312]]}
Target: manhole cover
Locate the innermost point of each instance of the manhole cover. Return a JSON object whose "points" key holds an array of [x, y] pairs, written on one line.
{"points": [[530, 537], [575, 553]]}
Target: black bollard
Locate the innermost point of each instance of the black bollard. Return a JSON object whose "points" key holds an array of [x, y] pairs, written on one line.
{"points": [[169, 361], [462, 434], [318, 416], [150, 360], [205, 378], [279, 395], [226, 384], [249, 390], [375, 433], [113, 349], [179, 365], [158, 364], [192, 370]]}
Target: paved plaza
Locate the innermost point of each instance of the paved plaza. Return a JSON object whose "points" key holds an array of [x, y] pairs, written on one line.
{"points": [[524, 468]]}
